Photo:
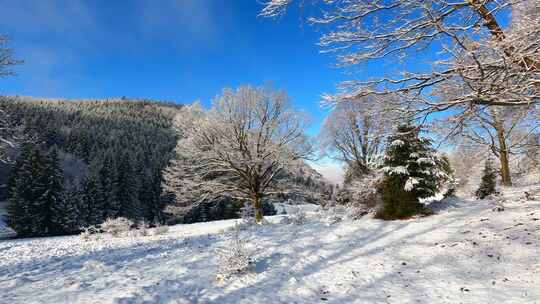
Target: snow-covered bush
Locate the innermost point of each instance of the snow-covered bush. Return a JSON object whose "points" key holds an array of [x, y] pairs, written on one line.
{"points": [[488, 183], [333, 214], [355, 212], [247, 214], [235, 259], [365, 192], [297, 216], [116, 227]]}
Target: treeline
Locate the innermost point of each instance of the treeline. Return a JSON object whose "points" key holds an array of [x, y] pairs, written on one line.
{"points": [[81, 162], [110, 155]]}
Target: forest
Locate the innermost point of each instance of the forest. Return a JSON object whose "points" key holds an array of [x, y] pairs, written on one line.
{"points": [[103, 159]]}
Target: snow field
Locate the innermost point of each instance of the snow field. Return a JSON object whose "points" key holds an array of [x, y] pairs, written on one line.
{"points": [[467, 253]]}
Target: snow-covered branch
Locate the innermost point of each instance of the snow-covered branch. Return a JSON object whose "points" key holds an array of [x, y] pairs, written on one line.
{"points": [[240, 146], [355, 132], [464, 41], [6, 58]]}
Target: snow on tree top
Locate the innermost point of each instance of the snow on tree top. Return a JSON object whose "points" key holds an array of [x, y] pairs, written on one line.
{"points": [[397, 142], [425, 160], [396, 170], [411, 182]]}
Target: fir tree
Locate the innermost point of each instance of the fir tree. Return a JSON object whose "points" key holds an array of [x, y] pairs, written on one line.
{"points": [[66, 213], [411, 173], [92, 210], [28, 210], [20, 193], [127, 190], [489, 181], [107, 176], [54, 213], [150, 197]]}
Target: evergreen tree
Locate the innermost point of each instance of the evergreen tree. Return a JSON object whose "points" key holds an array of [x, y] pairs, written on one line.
{"points": [[107, 176], [127, 190], [92, 210], [28, 210], [66, 217], [19, 192], [489, 181], [150, 198], [411, 173], [53, 200]]}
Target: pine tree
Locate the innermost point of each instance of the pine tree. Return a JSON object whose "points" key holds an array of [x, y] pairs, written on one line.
{"points": [[127, 190], [489, 181], [20, 194], [54, 213], [66, 214], [28, 210], [107, 176], [411, 173], [92, 211], [150, 197]]}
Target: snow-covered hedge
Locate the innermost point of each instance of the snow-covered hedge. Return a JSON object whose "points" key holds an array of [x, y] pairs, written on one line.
{"points": [[116, 227], [296, 215]]}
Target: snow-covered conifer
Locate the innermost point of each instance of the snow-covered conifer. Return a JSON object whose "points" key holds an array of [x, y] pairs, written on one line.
{"points": [[127, 189], [488, 183], [411, 173], [29, 210]]}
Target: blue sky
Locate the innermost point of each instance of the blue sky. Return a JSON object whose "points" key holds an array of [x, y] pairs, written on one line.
{"points": [[173, 50], [170, 50]]}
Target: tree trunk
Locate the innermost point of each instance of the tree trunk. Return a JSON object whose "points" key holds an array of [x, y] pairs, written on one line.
{"points": [[257, 206], [506, 180]]}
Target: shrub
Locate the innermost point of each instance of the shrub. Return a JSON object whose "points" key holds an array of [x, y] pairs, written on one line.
{"points": [[116, 227], [354, 212], [488, 183], [297, 216], [234, 258], [333, 215], [366, 191], [247, 213]]}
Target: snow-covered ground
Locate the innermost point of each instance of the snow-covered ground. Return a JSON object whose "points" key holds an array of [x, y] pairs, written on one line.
{"points": [[288, 207], [467, 253]]}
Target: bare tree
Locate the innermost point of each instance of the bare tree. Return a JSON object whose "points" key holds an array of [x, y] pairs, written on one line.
{"points": [[355, 133], [6, 130], [467, 159], [452, 33], [241, 145], [6, 58], [7, 127], [503, 131]]}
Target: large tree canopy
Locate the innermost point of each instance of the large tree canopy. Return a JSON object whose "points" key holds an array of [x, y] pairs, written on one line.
{"points": [[465, 40], [241, 146]]}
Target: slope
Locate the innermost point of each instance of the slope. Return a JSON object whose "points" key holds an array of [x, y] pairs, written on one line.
{"points": [[467, 253]]}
